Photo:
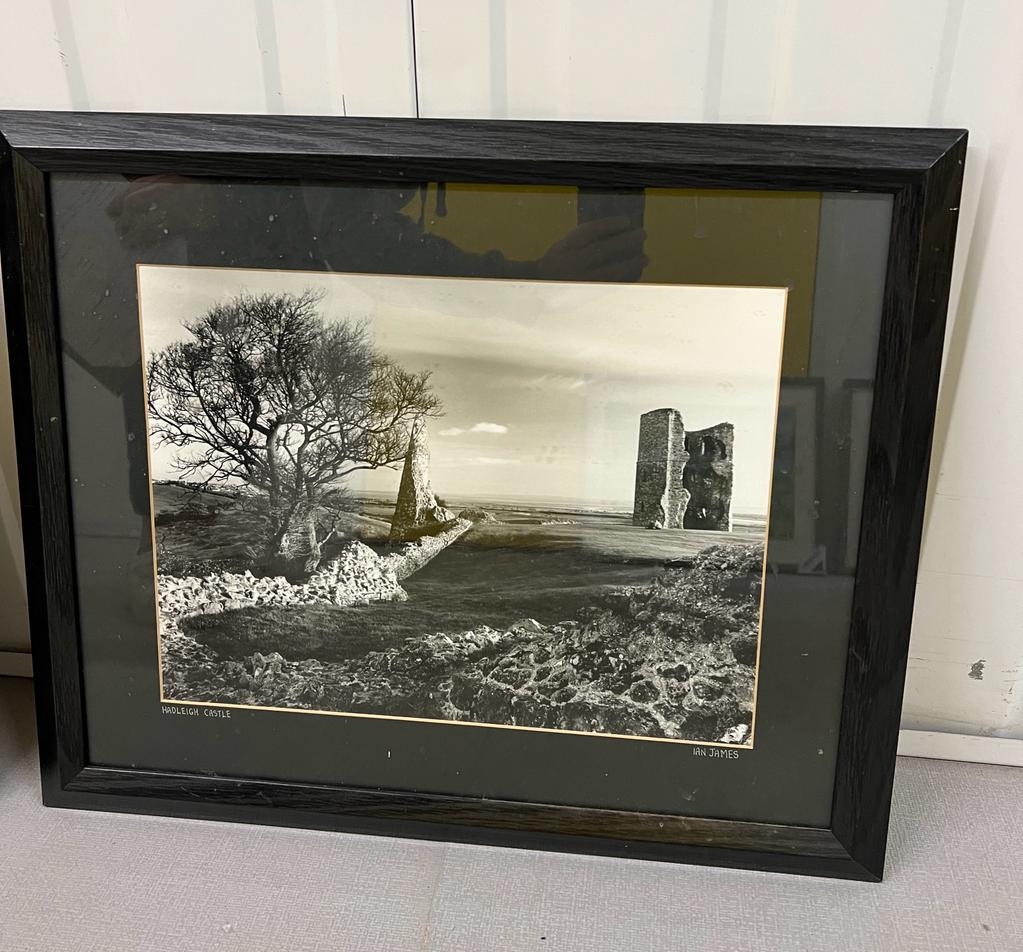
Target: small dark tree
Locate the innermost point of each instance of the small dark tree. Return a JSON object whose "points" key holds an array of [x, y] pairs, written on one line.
{"points": [[266, 393]]}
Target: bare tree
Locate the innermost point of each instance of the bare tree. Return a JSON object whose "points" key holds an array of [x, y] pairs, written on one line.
{"points": [[266, 393]]}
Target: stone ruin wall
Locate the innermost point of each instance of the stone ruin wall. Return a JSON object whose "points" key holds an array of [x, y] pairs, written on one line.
{"points": [[683, 480], [661, 499], [708, 478]]}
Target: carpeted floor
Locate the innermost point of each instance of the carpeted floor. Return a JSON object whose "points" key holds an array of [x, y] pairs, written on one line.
{"points": [[74, 881]]}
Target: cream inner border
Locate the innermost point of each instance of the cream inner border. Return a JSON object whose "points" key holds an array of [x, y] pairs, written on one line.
{"points": [[433, 720]]}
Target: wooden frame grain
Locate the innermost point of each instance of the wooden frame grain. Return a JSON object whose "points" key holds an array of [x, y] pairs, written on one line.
{"points": [[921, 168]]}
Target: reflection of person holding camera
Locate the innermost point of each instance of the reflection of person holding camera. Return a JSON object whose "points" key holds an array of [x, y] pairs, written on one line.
{"points": [[342, 228], [172, 219]]}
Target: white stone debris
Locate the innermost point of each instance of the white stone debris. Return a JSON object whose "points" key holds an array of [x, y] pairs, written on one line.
{"points": [[357, 576]]}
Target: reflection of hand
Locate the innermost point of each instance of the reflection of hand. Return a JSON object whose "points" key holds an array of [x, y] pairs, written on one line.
{"points": [[149, 209], [606, 249]]}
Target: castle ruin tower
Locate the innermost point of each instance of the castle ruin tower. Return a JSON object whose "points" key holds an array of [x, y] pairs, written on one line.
{"points": [[708, 478], [661, 498]]}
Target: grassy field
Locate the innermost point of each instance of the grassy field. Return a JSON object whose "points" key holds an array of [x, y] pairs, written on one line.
{"points": [[542, 564], [466, 586], [200, 531]]}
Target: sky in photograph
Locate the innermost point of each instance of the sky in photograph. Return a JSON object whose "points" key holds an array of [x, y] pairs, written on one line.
{"points": [[542, 383]]}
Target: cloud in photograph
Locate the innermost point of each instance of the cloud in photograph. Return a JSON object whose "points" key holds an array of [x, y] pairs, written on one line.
{"points": [[551, 382], [567, 368], [488, 461], [482, 427]]}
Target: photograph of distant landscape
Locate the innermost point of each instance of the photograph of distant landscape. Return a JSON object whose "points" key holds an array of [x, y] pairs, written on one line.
{"points": [[520, 504]]}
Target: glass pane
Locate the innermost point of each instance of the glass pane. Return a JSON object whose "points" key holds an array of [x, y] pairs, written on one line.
{"points": [[636, 388]]}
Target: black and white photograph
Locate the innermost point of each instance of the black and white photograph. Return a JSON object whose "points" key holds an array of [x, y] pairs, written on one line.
{"points": [[517, 504]]}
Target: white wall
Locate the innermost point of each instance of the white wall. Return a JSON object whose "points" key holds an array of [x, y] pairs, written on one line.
{"points": [[915, 62]]}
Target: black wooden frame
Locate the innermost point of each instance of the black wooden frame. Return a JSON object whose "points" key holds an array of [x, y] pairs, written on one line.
{"points": [[921, 168]]}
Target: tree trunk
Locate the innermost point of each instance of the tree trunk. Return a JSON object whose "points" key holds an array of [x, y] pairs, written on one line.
{"points": [[296, 551], [280, 543], [273, 465], [313, 554], [293, 549]]}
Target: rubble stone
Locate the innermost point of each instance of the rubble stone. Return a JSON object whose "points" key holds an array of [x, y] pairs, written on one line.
{"points": [[667, 659]]}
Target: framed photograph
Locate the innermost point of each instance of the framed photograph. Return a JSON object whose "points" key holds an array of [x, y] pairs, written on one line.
{"points": [[484, 481]]}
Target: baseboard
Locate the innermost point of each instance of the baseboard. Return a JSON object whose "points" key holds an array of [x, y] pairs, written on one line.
{"points": [[969, 747], [17, 664]]}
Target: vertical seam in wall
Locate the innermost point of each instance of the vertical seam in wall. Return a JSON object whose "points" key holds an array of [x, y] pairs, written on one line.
{"points": [[133, 74], [415, 61], [783, 42], [269, 56], [10, 530], [335, 61], [946, 60], [498, 59], [67, 50], [714, 77]]}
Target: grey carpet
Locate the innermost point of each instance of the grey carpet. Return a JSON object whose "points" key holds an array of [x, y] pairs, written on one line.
{"points": [[75, 881]]}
